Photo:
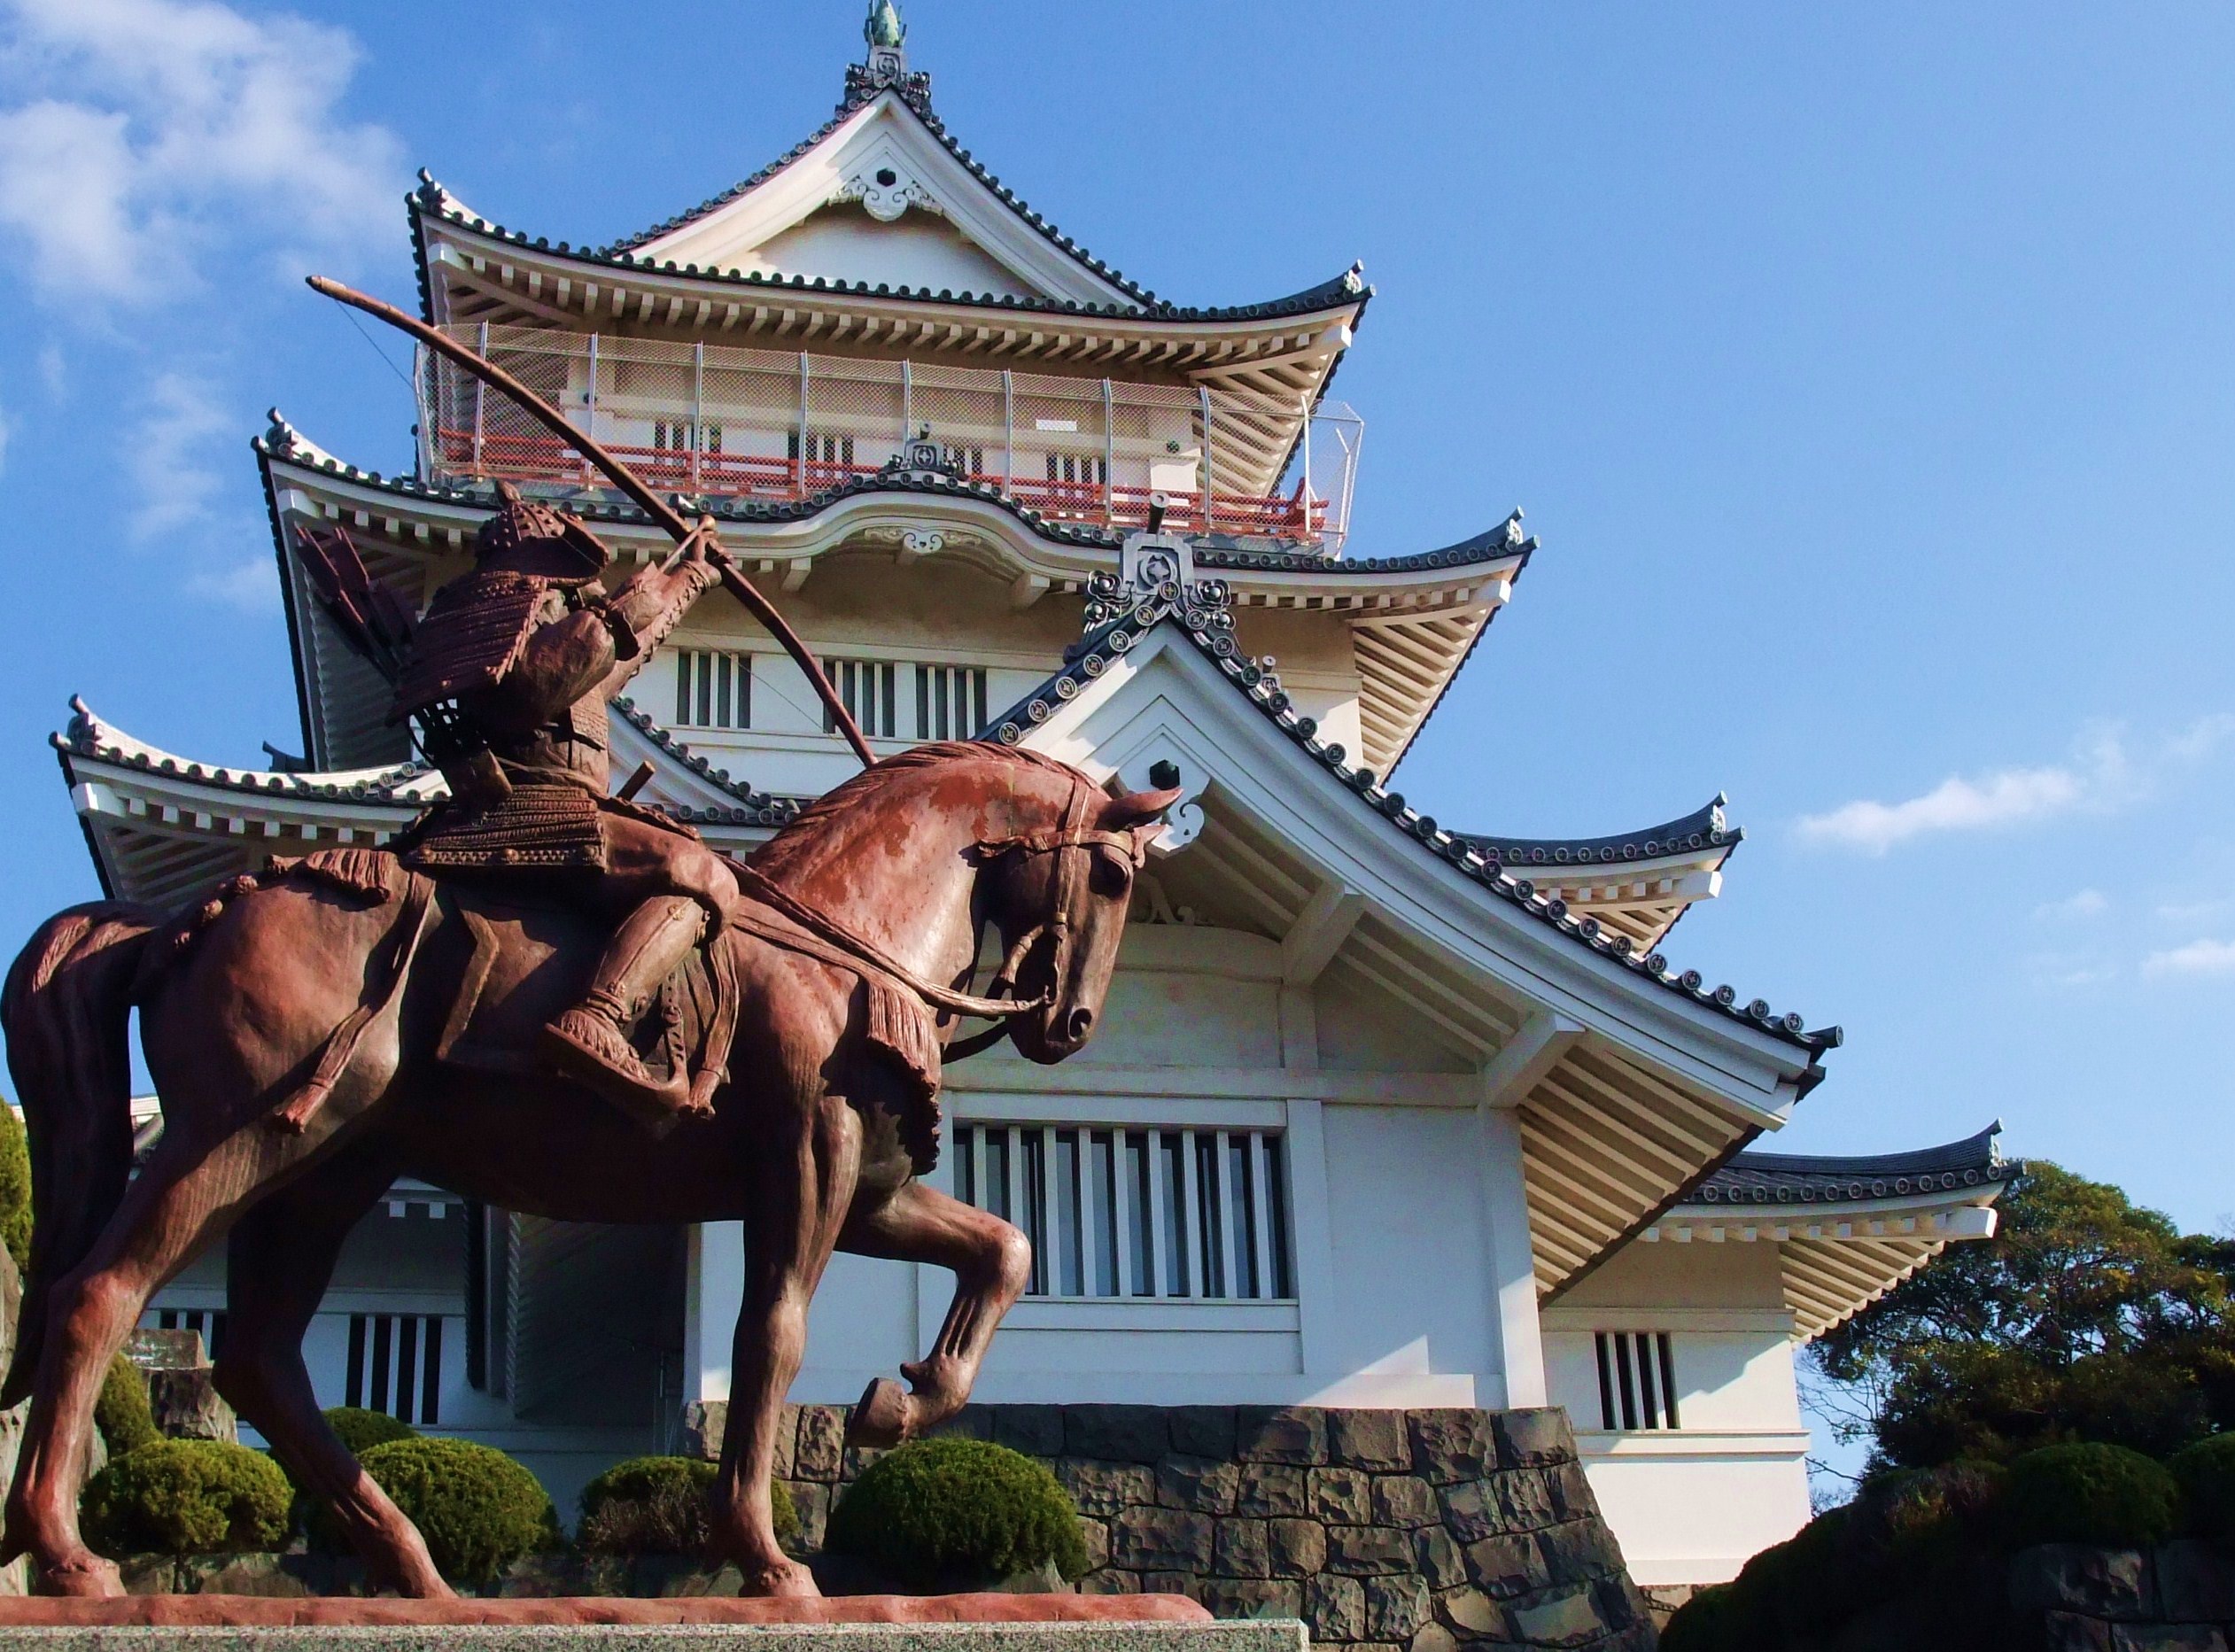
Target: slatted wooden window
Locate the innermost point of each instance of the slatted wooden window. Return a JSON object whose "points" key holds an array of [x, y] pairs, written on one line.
{"points": [[950, 702], [1637, 1380], [868, 689], [713, 688], [1167, 1214], [395, 1365]]}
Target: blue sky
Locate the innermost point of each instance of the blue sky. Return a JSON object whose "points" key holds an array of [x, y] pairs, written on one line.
{"points": [[1867, 372]]}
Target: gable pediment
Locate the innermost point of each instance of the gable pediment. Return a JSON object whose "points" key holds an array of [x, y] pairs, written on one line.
{"points": [[880, 198]]}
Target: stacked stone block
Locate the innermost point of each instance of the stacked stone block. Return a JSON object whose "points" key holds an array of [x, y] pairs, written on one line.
{"points": [[1428, 1530], [2176, 1598]]}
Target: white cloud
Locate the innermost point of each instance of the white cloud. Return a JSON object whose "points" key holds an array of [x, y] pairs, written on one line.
{"points": [[2198, 957], [2102, 776], [251, 586], [1955, 805], [2082, 904], [175, 474], [135, 134]]}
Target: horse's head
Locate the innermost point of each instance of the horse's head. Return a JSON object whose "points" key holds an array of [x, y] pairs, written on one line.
{"points": [[1058, 896]]}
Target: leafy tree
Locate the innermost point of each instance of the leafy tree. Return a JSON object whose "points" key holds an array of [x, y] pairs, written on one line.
{"points": [[2086, 1318]]}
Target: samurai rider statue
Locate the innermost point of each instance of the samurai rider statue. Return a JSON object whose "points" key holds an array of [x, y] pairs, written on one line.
{"points": [[509, 674]]}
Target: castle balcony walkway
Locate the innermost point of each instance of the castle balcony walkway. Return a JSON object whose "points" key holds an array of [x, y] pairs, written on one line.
{"points": [[772, 424]]}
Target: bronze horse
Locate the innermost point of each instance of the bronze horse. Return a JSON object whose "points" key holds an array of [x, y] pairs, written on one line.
{"points": [[815, 1144]]}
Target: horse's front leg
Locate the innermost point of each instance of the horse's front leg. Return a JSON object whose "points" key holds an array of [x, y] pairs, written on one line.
{"points": [[992, 1264], [788, 1239]]}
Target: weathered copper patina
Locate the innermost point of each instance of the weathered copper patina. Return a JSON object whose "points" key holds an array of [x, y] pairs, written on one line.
{"points": [[340, 1020]]}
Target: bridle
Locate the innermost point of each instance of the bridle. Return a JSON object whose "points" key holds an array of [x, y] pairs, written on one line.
{"points": [[1074, 844], [792, 923]]}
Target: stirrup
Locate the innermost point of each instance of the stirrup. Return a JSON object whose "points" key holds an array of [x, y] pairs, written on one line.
{"points": [[589, 1048]]}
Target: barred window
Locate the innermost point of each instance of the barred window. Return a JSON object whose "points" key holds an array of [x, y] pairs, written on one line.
{"points": [[868, 689], [823, 447], [950, 702], [713, 688], [1195, 1214], [676, 433], [1637, 1380], [395, 1365], [1089, 468]]}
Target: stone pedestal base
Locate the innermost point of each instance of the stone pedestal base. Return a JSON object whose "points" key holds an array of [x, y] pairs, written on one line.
{"points": [[952, 1622]]}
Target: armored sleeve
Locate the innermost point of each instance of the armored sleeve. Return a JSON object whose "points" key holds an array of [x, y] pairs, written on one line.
{"points": [[561, 661]]}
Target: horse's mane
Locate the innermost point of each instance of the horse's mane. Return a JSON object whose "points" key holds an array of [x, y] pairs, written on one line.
{"points": [[873, 782]]}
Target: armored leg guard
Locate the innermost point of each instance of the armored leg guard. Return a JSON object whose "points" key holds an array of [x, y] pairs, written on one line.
{"points": [[590, 1043]]}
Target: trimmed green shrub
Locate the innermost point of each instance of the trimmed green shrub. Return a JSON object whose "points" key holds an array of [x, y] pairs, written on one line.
{"points": [[122, 1413], [1711, 1621], [361, 1429], [478, 1509], [187, 1497], [943, 1507], [15, 1188], [658, 1506], [2206, 1473], [2085, 1492]]}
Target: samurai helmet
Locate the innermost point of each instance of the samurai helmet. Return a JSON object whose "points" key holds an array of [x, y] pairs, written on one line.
{"points": [[526, 536]]}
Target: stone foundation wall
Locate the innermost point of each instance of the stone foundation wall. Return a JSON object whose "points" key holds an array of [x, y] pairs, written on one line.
{"points": [[2176, 1598], [1429, 1531]]}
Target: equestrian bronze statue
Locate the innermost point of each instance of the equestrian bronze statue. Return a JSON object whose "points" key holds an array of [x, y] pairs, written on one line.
{"points": [[554, 1002]]}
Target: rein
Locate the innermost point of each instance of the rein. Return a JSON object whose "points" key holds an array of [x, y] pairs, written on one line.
{"points": [[1071, 842], [859, 949]]}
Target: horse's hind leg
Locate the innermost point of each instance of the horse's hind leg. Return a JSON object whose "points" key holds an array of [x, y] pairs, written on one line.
{"points": [[167, 1216], [802, 1197], [992, 1263], [278, 1262]]}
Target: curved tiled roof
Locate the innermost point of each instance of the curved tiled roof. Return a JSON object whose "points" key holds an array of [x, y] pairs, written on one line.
{"points": [[1346, 288], [1121, 620], [1491, 545], [281, 443], [753, 808], [1784, 1178], [1342, 290], [1704, 828], [405, 783]]}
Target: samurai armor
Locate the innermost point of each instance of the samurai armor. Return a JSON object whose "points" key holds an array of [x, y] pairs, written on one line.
{"points": [[553, 824], [472, 634]]}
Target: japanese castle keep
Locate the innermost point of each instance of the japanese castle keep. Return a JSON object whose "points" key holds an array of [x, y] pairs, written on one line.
{"points": [[1399, 1130]]}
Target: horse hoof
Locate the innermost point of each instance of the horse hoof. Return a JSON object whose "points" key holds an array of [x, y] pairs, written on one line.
{"points": [[786, 1581], [880, 1420], [89, 1579]]}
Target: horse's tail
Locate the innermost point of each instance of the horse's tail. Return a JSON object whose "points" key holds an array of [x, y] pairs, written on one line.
{"points": [[67, 1009]]}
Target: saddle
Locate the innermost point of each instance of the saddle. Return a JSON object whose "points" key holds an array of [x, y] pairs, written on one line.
{"points": [[529, 958]]}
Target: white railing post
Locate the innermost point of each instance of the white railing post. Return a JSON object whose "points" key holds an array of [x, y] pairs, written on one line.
{"points": [[590, 426], [907, 403], [1209, 467], [1109, 453], [480, 396], [698, 407], [1305, 402], [1008, 432], [799, 476]]}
